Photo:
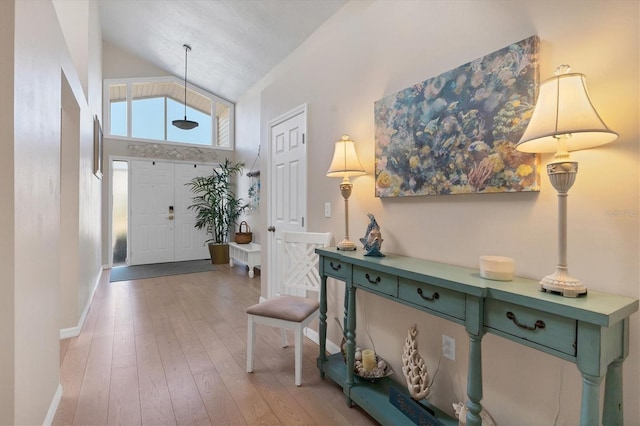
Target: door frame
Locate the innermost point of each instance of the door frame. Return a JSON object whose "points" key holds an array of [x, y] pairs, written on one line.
{"points": [[109, 215], [301, 109]]}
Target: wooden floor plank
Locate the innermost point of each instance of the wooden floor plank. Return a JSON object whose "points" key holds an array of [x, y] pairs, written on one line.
{"points": [[172, 350], [155, 402]]}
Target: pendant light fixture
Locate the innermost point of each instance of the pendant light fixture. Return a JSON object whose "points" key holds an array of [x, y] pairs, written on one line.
{"points": [[185, 124]]}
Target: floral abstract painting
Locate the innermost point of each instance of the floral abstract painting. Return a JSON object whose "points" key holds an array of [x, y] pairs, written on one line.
{"points": [[457, 133]]}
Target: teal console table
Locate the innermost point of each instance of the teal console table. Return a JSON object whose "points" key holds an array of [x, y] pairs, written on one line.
{"points": [[591, 331]]}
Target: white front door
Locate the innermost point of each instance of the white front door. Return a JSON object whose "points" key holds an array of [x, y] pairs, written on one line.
{"points": [[152, 227], [161, 227], [189, 241], [288, 186]]}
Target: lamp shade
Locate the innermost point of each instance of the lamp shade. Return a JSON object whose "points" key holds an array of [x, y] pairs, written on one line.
{"points": [[345, 161], [564, 110]]}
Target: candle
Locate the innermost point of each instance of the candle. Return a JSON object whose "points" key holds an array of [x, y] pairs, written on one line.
{"points": [[368, 359]]}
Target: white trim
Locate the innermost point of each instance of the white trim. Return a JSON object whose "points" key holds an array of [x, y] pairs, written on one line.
{"points": [[66, 333], [53, 407], [312, 335], [215, 99]]}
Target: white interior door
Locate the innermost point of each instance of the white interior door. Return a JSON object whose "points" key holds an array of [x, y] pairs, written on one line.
{"points": [[287, 183], [151, 225], [189, 241]]}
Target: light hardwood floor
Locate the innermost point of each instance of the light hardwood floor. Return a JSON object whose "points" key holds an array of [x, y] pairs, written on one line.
{"points": [[171, 350]]}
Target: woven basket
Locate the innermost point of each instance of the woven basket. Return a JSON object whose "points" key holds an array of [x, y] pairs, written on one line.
{"points": [[244, 237]]}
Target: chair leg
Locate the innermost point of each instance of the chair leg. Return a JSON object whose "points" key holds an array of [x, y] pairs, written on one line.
{"points": [[251, 341], [298, 354], [285, 342]]}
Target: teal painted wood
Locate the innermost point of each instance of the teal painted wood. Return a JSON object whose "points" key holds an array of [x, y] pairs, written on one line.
{"points": [[519, 322], [380, 282], [433, 298], [374, 396], [598, 347]]}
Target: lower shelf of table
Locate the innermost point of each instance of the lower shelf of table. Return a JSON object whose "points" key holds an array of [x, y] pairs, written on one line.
{"points": [[373, 397]]}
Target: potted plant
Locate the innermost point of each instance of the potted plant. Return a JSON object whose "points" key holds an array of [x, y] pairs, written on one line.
{"points": [[217, 207]]}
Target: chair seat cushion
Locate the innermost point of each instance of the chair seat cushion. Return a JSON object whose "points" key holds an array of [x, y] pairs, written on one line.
{"points": [[288, 308]]}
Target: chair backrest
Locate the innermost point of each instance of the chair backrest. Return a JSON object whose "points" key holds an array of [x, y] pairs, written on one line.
{"points": [[301, 261]]}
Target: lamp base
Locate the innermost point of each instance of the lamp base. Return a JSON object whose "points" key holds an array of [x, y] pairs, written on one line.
{"points": [[562, 283], [346, 245]]}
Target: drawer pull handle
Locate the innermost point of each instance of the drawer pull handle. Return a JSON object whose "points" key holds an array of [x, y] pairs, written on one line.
{"points": [[539, 324], [335, 267], [376, 281], [435, 296]]}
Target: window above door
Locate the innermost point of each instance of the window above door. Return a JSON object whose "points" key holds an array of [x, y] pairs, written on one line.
{"points": [[143, 109]]}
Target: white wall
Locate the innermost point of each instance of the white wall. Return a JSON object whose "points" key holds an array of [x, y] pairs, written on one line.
{"points": [[370, 49], [31, 185]]}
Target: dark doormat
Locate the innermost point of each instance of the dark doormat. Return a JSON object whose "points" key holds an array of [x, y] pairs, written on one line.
{"points": [[138, 272]]}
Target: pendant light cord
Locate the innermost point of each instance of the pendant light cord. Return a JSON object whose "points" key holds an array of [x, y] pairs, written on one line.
{"points": [[187, 48]]}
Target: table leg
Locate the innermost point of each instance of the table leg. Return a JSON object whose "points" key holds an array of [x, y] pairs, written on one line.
{"points": [[474, 381], [350, 332], [613, 412], [590, 405], [322, 326]]}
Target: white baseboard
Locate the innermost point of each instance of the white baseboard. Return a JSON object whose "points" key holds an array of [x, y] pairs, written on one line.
{"points": [[66, 333], [53, 407], [332, 348]]}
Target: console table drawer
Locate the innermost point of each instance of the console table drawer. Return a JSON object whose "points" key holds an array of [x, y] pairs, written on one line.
{"points": [[377, 281], [432, 297], [543, 328], [335, 268]]}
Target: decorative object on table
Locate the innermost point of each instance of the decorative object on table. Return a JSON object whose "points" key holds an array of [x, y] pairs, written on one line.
{"points": [[456, 133], [370, 366], [564, 120], [461, 414], [497, 268], [185, 124], [217, 207], [345, 164], [254, 188], [243, 237], [372, 240], [376, 367], [414, 368]]}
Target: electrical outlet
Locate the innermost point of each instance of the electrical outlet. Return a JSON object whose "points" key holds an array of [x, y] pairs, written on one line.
{"points": [[327, 209], [449, 347]]}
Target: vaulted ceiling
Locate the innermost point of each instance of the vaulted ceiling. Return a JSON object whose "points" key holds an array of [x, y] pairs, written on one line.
{"points": [[234, 42]]}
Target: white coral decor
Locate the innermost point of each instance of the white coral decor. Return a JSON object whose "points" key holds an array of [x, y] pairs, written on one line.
{"points": [[414, 368]]}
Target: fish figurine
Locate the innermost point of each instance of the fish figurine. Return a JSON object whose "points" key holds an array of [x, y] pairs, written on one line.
{"points": [[372, 240]]}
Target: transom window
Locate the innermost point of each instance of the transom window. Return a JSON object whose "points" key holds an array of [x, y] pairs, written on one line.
{"points": [[144, 108]]}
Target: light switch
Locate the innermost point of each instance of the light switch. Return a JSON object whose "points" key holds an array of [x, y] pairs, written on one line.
{"points": [[327, 209]]}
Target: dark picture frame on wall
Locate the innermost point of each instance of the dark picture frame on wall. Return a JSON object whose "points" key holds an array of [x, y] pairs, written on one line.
{"points": [[97, 148]]}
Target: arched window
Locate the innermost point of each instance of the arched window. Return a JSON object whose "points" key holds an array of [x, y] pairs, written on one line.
{"points": [[143, 109]]}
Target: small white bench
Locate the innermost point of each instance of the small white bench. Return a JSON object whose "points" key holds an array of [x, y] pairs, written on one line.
{"points": [[249, 254]]}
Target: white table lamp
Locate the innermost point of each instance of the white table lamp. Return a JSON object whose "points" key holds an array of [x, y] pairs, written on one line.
{"points": [[345, 164], [563, 120]]}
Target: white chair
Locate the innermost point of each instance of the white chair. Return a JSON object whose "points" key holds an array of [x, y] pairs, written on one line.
{"points": [[300, 271]]}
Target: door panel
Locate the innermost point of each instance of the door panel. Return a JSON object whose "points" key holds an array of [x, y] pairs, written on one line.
{"points": [[189, 241], [157, 234], [288, 188], [152, 230]]}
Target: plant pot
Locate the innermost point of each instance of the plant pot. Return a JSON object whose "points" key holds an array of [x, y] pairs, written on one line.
{"points": [[219, 253]]}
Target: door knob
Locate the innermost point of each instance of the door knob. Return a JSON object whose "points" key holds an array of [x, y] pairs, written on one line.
{"points": [[271, 229], [170, 217]]}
